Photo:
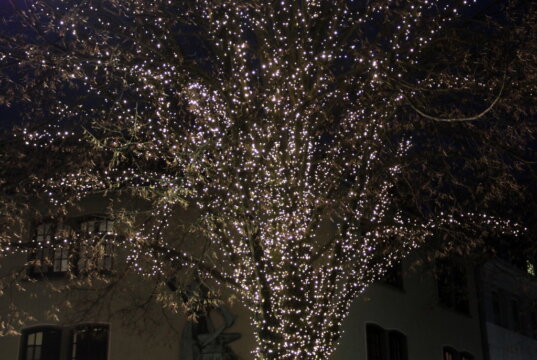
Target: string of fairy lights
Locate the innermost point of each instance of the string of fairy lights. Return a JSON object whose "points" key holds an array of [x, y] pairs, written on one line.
{"points": [[271, 118]]}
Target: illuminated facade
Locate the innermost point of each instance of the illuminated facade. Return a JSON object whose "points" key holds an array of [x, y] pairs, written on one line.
{"points": [[408, 315]]}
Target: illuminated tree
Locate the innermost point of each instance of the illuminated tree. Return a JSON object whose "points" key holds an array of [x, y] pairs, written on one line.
{"points": [[295, 130]]}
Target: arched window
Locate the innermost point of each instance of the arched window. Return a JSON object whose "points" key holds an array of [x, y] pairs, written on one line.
{"points": [[41, 343]]}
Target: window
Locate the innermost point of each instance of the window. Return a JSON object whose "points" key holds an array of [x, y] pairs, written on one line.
{"points": [[97, 246], [51, 255], [515, 315], [449, 353], [90, 342], [397, 346], [452, 354], [43, 343], [41, 256], [376, 347], [385, 345], [466, 356], [452, 285], [97, 226], [533, 325], [394, 276], [83, 342], [496, 308], [55, 253]]}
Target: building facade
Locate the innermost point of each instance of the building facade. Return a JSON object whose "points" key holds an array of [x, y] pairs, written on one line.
{"points": [[509, 310], [444, 310], [435, 312], [411, 315]]}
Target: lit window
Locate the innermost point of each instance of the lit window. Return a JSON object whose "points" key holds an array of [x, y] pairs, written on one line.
{"points": [[84, 342], [63, 235], [44, 233], [42, 343], [51, 255], [97, 226], [34, 345], [61, 259], [97, 246], [42, 255]]}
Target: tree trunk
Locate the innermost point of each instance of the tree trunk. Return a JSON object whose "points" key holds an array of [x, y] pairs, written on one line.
{"points": [[307, 344]]}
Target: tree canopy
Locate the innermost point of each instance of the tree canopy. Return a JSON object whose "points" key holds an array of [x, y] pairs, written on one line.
{"points": [[317, 142]]}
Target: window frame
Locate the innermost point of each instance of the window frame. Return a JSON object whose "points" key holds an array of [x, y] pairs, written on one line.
{"points": [[515, 315], [105, 238], [496, 305], [46, 331], [386, 344], [465, 355], [73, 343], [61, 347], [455, 354], [398, 336], [449, 349], [452, 285], [52, 248], [377, 330]]}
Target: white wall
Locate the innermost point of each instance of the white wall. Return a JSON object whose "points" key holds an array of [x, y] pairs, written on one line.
{"points": [[505, 344], [416, 313]]}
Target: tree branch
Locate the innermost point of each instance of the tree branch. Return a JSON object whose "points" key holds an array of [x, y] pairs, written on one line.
{"points": [[460, 119]]}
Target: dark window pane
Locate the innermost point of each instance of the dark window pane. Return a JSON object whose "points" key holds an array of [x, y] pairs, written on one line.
{"points": [[452, 285], [515, 315], [376, 342], [496, 308], [449, 354], [90, 343], [397, 346], [466, 356], [533, 324]]}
